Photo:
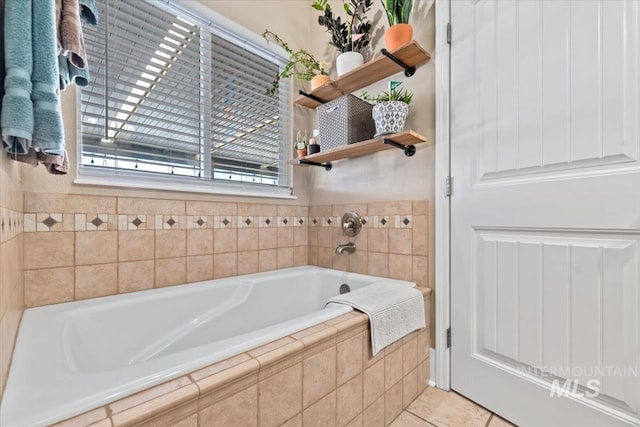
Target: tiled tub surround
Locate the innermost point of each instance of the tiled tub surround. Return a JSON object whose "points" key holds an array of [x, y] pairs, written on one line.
{"points": [[11, 283], [87, 353], [322, 376], [393, 241], [79, 247]]}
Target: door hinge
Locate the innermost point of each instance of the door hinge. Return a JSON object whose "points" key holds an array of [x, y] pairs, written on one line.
{"points": [[449, 32], [447, 186], [448, 337]]}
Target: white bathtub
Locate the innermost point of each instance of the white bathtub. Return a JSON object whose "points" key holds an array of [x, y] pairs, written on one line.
{"points": [[73, 357]]}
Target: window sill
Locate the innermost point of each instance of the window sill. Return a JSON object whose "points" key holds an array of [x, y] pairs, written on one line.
{"points": [[178, 184]]}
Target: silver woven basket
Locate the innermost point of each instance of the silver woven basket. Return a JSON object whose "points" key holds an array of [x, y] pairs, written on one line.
{"points": [[344, 121]]}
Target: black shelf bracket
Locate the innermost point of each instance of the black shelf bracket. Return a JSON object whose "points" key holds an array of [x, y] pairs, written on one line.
{"points": [[308, 95], [408, 71], [409, 150], [327, 166]]}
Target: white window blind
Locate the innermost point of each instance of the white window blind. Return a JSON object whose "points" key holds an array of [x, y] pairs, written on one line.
{"points": [[172, 94]]}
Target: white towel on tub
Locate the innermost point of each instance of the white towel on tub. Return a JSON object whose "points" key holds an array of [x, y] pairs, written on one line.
{"points": [[394, 310]]}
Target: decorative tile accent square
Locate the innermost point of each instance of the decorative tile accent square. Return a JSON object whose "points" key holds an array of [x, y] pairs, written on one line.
{"points": [[200, 222], [314, 221], [224, 221], [300, 221], [284, 221], [95, 222], [170, 222], [267, 221], [11, 224], [403, 221], [246, 222]]}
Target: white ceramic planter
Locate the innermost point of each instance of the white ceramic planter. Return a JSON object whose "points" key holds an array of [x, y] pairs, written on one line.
{"points": [[389, 117], [347, 61]]}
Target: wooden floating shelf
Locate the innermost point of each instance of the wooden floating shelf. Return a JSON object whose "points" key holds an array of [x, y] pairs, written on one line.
{"points": [[369, 146], [411, 54]]}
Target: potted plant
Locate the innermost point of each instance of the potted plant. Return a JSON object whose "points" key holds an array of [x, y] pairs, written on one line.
{"points": [[351, 35], [301, 65], [399, 32], [301, 144], [390, 109]]}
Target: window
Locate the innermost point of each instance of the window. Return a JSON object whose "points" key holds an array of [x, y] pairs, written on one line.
{"points": [[175, 98]]}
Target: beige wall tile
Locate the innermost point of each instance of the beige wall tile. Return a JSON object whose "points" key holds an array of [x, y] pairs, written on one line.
{"points": [[267, 259], [225, 240], [325, 237], [255, 209], [267, 238], [401, 267], [403, 207], [247, 239], [48, 286], [325, 210], [199, 268], [420, 207], [248, 262], [293, 210], [96, 281], [392, 368], [420, 235], [349, 358], [313, 255], [136, 245], [284, 237], [423, 374], [378, 264], [373, 383], [285, 257], [280, 396], [313, 235], [48, 250], [423, 344], [170, 271], [241, 409], [401, 241], [87, 419], [127, 205], [409, 388], [373, 416], [300, 256], [321, 413], [339, 210], [349, 400], [211, 208], [378, 240], [68, 203], [409, 356], [96, 247], [171, 243], [393, 403], [340, 261], [199, 242], [319, 376], [325, 257], [358, 262], [300, 236], [136, 276], [225, 265], [420, 271]]}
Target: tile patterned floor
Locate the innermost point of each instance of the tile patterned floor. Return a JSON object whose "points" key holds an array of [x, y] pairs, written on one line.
{"points": [[438, 408]]}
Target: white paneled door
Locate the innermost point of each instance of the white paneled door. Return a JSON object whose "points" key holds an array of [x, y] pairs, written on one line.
{"points": [[545, 210]]}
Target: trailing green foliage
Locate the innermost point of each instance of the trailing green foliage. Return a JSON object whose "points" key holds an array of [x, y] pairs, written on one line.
{"points": [[398, 11], [302, 65], [352, 34]]}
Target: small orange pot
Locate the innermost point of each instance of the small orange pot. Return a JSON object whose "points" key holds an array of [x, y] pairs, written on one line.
{"points": [[302, 153], [319, 80], [398, 35]]}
